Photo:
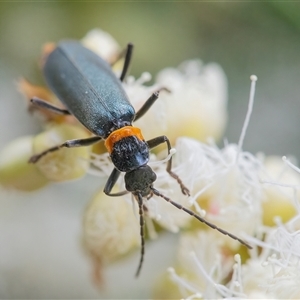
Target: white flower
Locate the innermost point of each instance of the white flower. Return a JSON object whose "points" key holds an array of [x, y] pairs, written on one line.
{"points": [[275, 271], [248, 193], [204, 269], [194, 107], [280, 188], [224, 182], [198, 107]]}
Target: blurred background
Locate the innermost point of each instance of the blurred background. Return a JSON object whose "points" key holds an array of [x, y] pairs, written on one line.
{"points": [[40, 231]]}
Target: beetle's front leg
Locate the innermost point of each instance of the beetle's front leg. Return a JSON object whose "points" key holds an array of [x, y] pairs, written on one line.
{"points": [[111, 181], [163, 139]]}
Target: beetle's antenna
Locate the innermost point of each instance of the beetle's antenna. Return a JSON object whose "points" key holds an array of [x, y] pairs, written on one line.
{"points": [[139, 199], [213, 226]]}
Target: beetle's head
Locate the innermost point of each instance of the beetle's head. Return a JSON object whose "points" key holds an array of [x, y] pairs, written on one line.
{"points": [[140, 180]]}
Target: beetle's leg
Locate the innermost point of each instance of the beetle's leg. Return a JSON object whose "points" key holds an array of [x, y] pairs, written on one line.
{"points": [[128, 54], [111, 181], [127, 60], [149, 102], [163, 139], [67, 144], [46, 105]]}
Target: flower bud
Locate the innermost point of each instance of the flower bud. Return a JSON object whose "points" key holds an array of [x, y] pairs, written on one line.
{"points": [[279, 200], [110, 229], [65, 163], [15, 171]]}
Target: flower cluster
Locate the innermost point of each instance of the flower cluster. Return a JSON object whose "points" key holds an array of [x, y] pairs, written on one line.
{"points": [[253, 197]]}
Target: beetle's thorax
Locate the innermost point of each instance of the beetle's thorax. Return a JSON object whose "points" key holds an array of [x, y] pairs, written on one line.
{"points": [[127, 148]]}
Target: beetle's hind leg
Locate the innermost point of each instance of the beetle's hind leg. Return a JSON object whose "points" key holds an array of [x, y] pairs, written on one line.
{"points": [[67, 144], [46, 105]]}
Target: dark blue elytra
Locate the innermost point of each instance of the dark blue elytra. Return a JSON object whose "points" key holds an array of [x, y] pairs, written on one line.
{"points": [[86, 85]]}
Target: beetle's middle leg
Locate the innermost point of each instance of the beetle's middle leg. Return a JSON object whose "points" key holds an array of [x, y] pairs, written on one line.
{"points": [[67, 144]]}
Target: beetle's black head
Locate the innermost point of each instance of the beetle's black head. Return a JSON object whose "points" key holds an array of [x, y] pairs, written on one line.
{"points": [[140, 180]]}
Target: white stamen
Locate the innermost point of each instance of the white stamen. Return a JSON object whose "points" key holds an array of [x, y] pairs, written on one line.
{"points": [[159, 162], [253, 79], [284, 158], [223, 290], [180, 281]]}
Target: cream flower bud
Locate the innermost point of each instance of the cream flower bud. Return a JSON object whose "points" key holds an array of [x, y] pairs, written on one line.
{"points": [[279, 200], [110, 230], [66, 163], [15, 171]]}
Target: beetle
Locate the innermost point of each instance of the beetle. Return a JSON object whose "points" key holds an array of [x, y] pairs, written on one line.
{"points": [[91, 92]]}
